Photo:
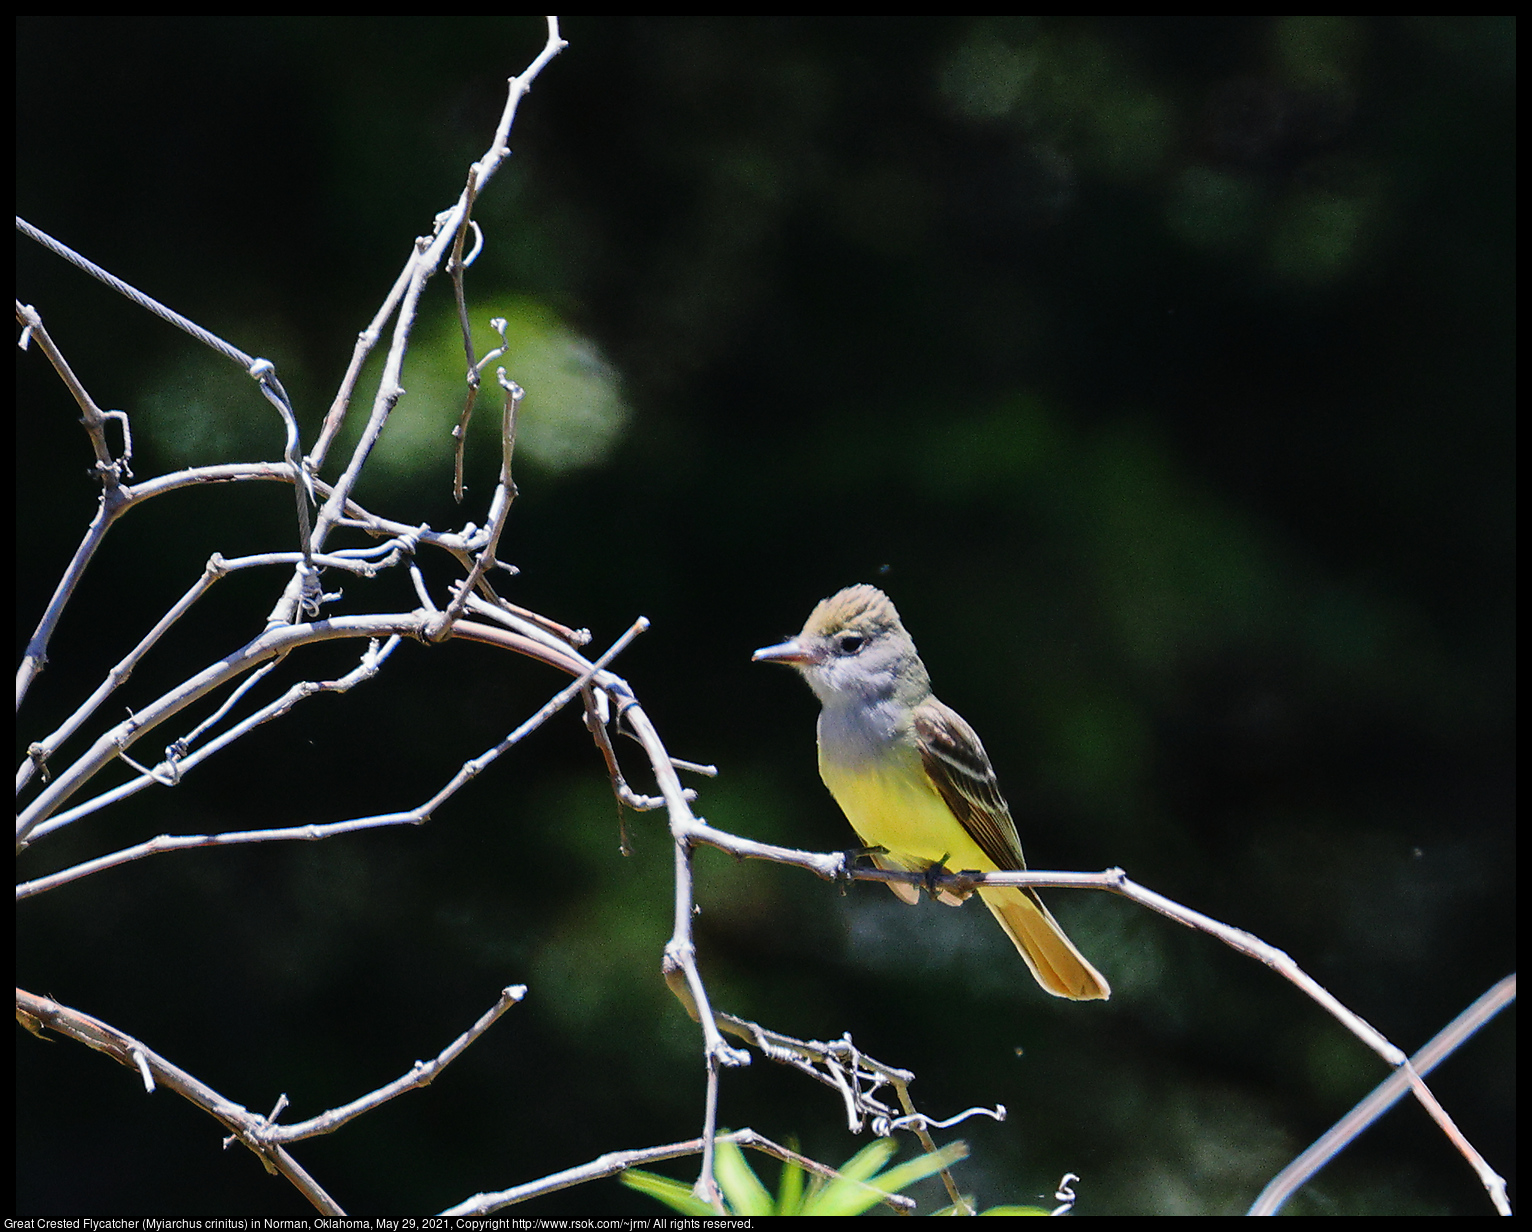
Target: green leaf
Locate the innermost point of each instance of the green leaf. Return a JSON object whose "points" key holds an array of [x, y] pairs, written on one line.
{"points": [[866, 1162], [790, 1189], [913, 1170], [743, 1189], [674, 1194], [859, 1188]]}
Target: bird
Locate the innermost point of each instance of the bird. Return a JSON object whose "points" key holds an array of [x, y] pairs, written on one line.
{"points": [[912, 776]]}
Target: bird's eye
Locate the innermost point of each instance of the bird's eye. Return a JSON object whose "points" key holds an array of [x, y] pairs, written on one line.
{"points": [[850, 643]]}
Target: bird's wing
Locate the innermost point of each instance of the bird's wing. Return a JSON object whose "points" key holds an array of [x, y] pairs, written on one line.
{"points": [[959, 769]]}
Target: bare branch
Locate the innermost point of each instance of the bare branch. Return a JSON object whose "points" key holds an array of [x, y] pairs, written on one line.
{"points": [[38, 1013], [1388, 1093], [421, 1074]]}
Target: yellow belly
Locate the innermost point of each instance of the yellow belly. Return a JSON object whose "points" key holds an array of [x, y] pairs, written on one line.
{"points": [[899, 810]]}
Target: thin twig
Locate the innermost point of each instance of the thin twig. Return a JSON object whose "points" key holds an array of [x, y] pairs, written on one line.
{"points": [[38, 1013], [1388, 1093]]}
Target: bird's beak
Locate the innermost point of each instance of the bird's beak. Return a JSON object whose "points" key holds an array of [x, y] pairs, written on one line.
{"points": [[790, 653]]}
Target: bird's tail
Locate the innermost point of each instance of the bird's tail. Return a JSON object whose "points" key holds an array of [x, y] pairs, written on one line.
{"points": [[1057, 965]]}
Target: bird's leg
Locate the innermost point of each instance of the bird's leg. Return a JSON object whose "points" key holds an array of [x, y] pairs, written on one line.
{"points": [[848, 858], [943, 894], [933, 871]]}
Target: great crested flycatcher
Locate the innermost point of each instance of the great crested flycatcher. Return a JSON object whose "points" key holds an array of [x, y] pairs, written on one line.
{"points": [[912, 777]]}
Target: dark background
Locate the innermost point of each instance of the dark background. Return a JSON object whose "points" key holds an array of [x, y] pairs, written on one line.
{"points": [[1160, 369]]}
